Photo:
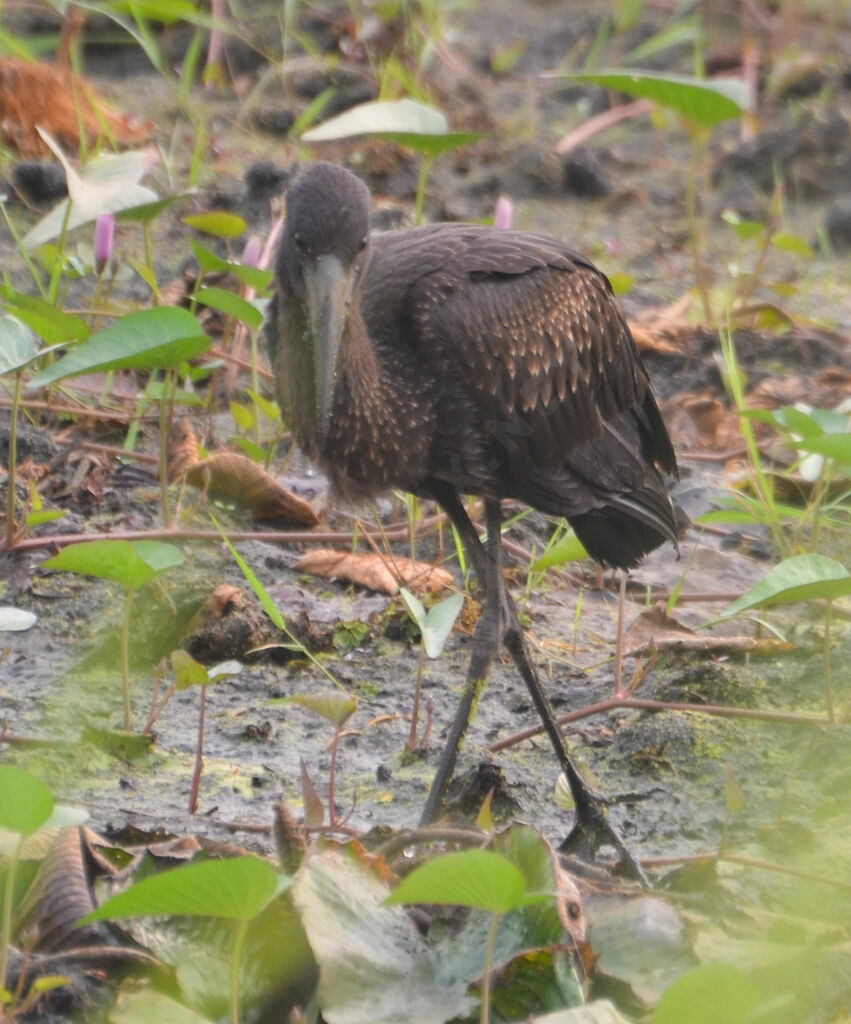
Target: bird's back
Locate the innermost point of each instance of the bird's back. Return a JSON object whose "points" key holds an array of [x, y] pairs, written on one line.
{"points": [[537, 388]]}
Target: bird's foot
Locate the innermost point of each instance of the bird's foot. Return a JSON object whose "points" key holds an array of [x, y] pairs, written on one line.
{"points": [[593, 829]]}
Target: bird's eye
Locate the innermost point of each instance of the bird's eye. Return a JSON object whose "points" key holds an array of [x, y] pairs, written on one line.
{"points": [[298, 242], [363, 242]]}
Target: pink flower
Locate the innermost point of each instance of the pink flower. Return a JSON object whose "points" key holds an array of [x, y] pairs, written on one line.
{"points": [[503, 216], [104, 237], [252, 251]]}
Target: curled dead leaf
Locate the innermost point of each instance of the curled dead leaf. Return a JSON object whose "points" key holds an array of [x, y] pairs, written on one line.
{"points": [[223, 598], [376, 572], [231, 476], [822, 390], [655, 630], [664, 330], [184, 451], [234, 477], [61, 103]]}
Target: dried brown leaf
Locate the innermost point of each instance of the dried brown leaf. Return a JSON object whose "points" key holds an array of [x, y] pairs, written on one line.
{"points": [[664, 330], [314, 810], [184, 451], [703, 421], [59, 102], [231, 476], [823, 390], [223, 599], [655, 630], [654, 625], [375, 572]]}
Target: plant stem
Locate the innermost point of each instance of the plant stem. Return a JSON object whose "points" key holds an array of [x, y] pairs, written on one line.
{"points": [[762, 484], [22, 251], [425, 167], [415, 710], [695, 228], [125, 658], [332, 777], [485, 1015], [13, 462], [199, 754], [165, 426], [236, 958], [828, 686], [6, 924], [149, 260], [620, 637], [56, 275]]}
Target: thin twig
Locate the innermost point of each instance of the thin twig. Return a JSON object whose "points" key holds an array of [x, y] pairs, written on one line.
{"points": [[750, 862], [639, 704]]}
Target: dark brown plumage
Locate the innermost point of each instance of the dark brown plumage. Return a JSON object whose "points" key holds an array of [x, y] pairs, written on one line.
{"points": [[458, 358]]}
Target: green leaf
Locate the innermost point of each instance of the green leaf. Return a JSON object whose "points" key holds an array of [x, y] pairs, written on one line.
{"points": [[252, 450], [16, 620], [707, 995], [373, 963], [698, 100], [218, 223], [236, 889], [600, 1011], [187, 671], [130, 563], [621, 283], [643, 944], [107, 184], [743, 228], [209, 262], [233, 305], [66, 816], [789, 419], [568, 549], [169, 12], [734, 798], [832, 446], [728, 515], [333, 706], [158, 338], [48, 982], [471, 878], [224, 669], [416, 609], [25, 802], [439, 622], [505, 57], [682, 32], [800, 578], [48, 322], [144, 213], [146, 1005], [792, 243], [17, 345], [405, 121], [269, 409]]}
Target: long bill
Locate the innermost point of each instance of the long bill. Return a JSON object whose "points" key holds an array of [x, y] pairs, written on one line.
{"points": [[329, 290]]}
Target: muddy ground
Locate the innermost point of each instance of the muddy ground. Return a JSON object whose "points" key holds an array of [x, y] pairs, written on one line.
{"points": [[619, 199]]}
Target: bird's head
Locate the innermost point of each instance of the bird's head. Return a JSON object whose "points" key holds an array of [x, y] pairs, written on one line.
{"points": [[325, 235]]}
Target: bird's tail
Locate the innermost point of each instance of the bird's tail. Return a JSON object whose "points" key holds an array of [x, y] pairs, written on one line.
{"points": [[611, 492], [622, 531]]}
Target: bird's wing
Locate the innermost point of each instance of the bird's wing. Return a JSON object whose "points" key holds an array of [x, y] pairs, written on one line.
{"points": [[541, 344]]}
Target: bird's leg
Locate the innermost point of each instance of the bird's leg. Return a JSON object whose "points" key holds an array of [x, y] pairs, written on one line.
{"points": [[486, 642], [592, 829]]}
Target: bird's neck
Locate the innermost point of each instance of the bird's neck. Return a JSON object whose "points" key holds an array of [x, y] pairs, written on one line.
{"points": [[358, 369]]}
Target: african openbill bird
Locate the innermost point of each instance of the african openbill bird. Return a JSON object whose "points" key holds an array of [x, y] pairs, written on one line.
{"points": [[461, 359]]}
